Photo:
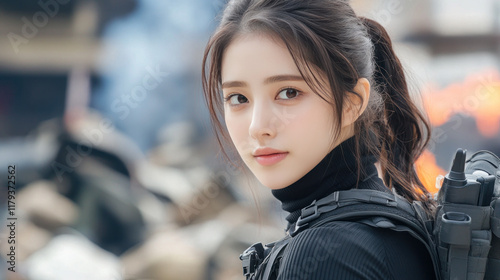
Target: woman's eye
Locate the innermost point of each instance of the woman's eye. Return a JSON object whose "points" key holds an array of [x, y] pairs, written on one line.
{"points": [[288, 93], [236, 99]]}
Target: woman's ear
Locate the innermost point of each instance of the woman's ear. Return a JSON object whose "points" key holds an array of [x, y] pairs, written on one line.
{"points": [[355, 105]]}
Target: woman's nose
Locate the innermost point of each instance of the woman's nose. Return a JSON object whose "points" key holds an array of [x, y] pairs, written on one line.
{"points": [[262, 124]]}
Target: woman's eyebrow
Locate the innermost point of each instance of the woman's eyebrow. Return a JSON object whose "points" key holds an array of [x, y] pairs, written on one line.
{"points": [[270, 80], [232, 84], [281, 78]]}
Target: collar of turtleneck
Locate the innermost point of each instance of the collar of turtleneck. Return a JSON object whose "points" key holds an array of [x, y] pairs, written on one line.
{"points": [[337, 171]]}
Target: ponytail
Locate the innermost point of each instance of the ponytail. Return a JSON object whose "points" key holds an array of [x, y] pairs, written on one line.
{"points": [[402, 130]]}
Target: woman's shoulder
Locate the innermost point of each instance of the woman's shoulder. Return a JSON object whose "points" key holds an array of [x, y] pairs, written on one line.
{"points": [[351, 250], [347, 250]]}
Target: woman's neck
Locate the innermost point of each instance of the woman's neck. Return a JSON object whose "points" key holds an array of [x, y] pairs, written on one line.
{"points": [[337, 171]]}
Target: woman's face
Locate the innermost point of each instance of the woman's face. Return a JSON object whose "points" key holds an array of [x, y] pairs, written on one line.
{"points": [[279, 126]]}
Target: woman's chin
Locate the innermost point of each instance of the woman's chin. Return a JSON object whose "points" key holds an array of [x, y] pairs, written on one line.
{"points": [[274, 183]]}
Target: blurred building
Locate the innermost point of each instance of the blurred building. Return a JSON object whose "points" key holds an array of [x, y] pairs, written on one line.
{"points": [[42, 42]]}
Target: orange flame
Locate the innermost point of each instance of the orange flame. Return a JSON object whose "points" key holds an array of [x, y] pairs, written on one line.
{"points": [[478, 96], [428, 170]]}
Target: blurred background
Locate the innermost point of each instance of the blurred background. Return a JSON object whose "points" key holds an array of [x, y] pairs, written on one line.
{"points": [[117, 172]]}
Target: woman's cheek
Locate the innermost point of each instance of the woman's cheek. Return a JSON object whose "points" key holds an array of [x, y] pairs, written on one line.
{"points": [[237, 127]]}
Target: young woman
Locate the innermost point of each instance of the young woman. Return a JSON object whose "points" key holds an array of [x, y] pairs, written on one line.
{"points": [[313, 97]]}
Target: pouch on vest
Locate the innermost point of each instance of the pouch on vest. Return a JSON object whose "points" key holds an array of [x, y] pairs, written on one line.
{"points": [[466, 225]]}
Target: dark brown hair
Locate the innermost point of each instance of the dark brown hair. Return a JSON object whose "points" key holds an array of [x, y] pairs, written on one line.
{"points": [[327, 35]]}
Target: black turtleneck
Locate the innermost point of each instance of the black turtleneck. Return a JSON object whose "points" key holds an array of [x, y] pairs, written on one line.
{"points": [[337, 171], [346, 250]]}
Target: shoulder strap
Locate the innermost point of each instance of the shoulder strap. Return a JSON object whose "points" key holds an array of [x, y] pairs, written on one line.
{"points": [[261, 263], [274, 258], [362, 204]]}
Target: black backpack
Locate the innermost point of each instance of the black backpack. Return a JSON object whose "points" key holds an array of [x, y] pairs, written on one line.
{"points": [[463, 239]]}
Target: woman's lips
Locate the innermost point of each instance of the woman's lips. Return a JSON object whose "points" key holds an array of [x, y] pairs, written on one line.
{"points": [[270, 159]]}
